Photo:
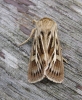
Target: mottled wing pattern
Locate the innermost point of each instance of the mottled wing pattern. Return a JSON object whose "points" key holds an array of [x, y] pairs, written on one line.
{"points": [[55, 68], [36, 64]]}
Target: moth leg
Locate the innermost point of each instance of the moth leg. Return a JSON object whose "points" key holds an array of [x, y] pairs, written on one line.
{"points": [[32, 32], [65, 60]]}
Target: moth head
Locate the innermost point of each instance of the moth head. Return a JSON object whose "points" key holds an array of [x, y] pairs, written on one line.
{"points": [[46, 26]]}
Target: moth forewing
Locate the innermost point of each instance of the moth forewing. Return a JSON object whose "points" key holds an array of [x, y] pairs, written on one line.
{"points": [[35, 70], [55, 69]]}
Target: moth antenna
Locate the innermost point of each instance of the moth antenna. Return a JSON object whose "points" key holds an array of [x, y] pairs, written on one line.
{"points": [[32, 32], [34, 21]]}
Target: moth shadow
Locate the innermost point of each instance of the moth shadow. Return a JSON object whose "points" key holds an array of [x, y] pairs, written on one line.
{"points": [[47, 81]]}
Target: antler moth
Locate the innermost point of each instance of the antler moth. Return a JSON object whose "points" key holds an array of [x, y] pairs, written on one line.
{"points": [[46, 58]]}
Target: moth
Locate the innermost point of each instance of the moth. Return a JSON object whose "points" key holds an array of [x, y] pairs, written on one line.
{"points": [[46, 56]]}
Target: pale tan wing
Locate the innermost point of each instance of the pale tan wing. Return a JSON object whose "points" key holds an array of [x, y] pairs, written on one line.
{"points": [[55, 68], [36, 69]]}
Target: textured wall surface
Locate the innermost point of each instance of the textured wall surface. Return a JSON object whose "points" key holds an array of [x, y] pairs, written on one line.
{"points": [[15, 26]]}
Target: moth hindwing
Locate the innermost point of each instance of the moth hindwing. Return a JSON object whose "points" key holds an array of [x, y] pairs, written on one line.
{"points": [[46, 58]]}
